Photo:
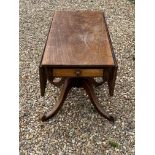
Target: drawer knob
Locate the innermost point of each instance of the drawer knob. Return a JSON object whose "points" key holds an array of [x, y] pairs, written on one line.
{"points": [[77, 72]]}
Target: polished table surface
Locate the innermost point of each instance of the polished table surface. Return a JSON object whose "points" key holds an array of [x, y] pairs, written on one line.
{"points": [[78, 38], [78, 48]]}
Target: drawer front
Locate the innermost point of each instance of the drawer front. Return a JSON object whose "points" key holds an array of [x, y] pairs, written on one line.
{"points": [[77, 72]]}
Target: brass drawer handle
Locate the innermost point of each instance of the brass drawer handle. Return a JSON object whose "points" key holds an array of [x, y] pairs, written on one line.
{"points": [[78, 72]]}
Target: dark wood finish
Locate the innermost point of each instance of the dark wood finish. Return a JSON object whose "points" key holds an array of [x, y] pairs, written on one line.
{"points": [[67, 86], [89, 89], [110, 43], [77, 72], [43, 80], [78, 38], [78, 48], [112, 79], [77, 82]]}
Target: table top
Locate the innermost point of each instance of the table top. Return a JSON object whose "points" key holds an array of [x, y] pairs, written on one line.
{"points": [[78, 38]]}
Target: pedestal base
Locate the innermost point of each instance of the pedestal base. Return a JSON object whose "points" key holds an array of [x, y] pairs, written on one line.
{"points": [[68, 83]]}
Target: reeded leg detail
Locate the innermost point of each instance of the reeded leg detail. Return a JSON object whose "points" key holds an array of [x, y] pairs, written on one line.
{"points": [[67, 86]]}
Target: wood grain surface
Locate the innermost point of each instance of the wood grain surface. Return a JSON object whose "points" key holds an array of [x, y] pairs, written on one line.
{"points": [[78, 38], [77, 72]]}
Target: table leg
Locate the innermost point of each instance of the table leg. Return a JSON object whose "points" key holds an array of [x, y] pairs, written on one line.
{"points": [[111, 80], [43, 80], [77, 82], [89, 89], [67, 86]]}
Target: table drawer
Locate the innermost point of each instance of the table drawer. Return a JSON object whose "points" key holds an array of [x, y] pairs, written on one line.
{"points": [[77, 72]]}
